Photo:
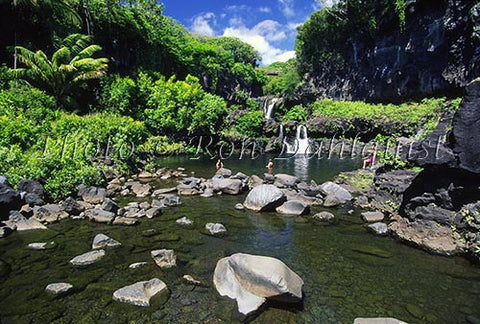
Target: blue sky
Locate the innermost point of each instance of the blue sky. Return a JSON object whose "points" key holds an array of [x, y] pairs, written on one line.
{"points": [[267, 25]]}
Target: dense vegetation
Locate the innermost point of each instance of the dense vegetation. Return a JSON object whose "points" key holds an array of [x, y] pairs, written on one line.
{"points": [[326, 39]]}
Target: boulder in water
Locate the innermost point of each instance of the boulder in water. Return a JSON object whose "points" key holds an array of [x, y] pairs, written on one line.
{"points": [[264, 197], [184, 221], [251, 279], [215, 228], [140, 293], [21, 223], [102, 241], [331, 189], [293, 207], [59, 288], [164, 258], [228, 186], [224, 172], [87, 258], [285, 180]]}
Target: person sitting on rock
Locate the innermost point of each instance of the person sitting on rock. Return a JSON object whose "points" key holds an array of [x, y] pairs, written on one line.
{"points": [[370, 160], [219, 164]]}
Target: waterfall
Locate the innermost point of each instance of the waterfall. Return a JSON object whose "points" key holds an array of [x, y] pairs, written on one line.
{"points": [[268, 106], [280, 132], [301, 144]]}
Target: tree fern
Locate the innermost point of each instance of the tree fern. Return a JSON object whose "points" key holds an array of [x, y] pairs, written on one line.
{"points": [[69, 65]]}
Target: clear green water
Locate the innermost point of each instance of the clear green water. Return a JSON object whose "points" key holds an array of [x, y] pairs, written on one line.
{"points": [[348, 273]]}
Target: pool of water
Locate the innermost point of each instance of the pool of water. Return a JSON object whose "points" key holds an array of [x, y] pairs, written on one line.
{"points": [[348, 272]]}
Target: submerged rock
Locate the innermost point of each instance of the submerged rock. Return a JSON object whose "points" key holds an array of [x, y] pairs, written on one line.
{"points": [[378, 320], [164, 258], [88, 258], [140, 293], [251, 279], [102, 241], [324, 217], [59, 288], [184, 221], [137, 265], [190, 280], [239, 206], [125, 221], [264, 197], [39, 246], [293, 207], [215, 228]]}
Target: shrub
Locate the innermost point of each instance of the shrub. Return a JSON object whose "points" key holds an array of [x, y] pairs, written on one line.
{"points": [[209, 114], [118, 95], [250, 124], [296, 113]]}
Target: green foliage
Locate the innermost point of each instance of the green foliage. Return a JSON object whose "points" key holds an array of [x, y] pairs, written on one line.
{"points": [[118, 95], [250, 124], [409, 115], [160, 145], [400, 9], [392, 161], [296, 113], [209, 114], [69, 66], [286, 82], [183, 105]]}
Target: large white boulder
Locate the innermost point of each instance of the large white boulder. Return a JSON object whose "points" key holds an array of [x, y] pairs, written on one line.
{"points": [[264, 197], [139, 293], [250, 279]]}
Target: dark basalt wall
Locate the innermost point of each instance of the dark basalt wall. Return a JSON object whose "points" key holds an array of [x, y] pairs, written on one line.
{"points": [[436, 54]]}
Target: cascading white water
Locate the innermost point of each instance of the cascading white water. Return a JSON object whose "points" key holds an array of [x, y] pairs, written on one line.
{"points": [[280, 132], [268, 106], [301, 144]]}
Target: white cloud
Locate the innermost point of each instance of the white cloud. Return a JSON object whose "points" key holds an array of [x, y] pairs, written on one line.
{"points": [[271, 30], [319, 4], [287, 8], [202, 24], [265, 9], [261, 37]]}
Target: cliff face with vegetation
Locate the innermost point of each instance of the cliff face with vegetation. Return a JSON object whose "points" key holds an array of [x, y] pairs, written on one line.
{"points": [[390, 50]]}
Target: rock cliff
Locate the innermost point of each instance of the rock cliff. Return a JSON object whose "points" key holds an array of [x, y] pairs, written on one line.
{"points": [[436, 53]]}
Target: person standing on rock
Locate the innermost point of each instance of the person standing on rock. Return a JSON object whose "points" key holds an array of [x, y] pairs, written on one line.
{"points": [[270, 166], [219, 164]]}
